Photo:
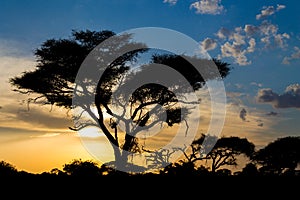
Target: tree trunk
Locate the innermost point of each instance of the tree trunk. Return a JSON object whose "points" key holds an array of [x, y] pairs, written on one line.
{"points": [[120, 161]]}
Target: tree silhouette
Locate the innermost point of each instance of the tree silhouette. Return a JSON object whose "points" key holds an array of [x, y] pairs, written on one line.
{"points": [[56, 82], [82, 168], [250, 169], [221, 151], [7, 169], [279, 155]]}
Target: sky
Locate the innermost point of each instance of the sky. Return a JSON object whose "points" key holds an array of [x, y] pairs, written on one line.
{"points": [[259, 38]]}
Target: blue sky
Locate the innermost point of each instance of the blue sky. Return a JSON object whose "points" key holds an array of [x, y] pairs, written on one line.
{"points": [[259, 38], [31, 22]]}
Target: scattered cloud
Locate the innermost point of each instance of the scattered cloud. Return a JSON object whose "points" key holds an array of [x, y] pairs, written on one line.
{"points": [[212, 7], [289, 99], [208, 44], [272, 113], [256, 84], [243, 114], [240, 42], [270, 36], [260, 122], [268, 11], [235, 45], [239, 85], [171, 2], [295, 55], [251, 30], [224, 33]]}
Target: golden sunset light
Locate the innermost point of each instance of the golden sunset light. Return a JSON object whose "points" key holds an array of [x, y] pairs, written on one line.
{"points": [[164, 87]]}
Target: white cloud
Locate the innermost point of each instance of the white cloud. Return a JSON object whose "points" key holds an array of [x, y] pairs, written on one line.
{"points": [[268, 34], [236, 46], [256, 84], [224, 33], [268, 11], [295, 55], [279, 39], [239, 42], [235, 51], [208, 44], [280, 7], [267, 28], [251, 46], [171, 2], [212, 7], [251, 30]]}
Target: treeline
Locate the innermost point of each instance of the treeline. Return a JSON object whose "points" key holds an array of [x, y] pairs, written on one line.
{"points": [[279, 158]]}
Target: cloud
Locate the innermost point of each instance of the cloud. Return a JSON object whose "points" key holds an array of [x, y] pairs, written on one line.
{"points": [[289, 99], [212, 7], [268, 11], [251, 30], [272, 113], [46, 135], [240, 42], [238, 48], [243, 114], [53, 120], [171, 2], [295, 55], [256, 84], [260, 122], [224, 33], [251, 46], [269, 33], [37, 118], [208, 44]]}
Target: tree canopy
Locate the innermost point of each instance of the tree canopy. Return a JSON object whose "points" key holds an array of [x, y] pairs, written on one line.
{"points": [[279, 155]]}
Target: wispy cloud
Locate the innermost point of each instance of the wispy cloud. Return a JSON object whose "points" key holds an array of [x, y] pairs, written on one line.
{"points": [[256, 84], [268, 11], [295, 55], [272, 113], [212, 7], [289, 99], [171, 2], [48, 135]]}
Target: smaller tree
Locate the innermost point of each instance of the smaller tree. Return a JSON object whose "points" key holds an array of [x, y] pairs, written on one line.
{"points": [[7, 169], [82, 168], [220, 151], [249, 170], [279, 155]]}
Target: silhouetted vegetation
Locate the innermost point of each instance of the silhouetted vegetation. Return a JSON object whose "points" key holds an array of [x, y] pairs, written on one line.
{"points": [[225, 149], [279, 157]]}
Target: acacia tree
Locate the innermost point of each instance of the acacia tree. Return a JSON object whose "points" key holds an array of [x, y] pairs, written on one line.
{"points": [[220, 151], [279, 155], [56, 82]]}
